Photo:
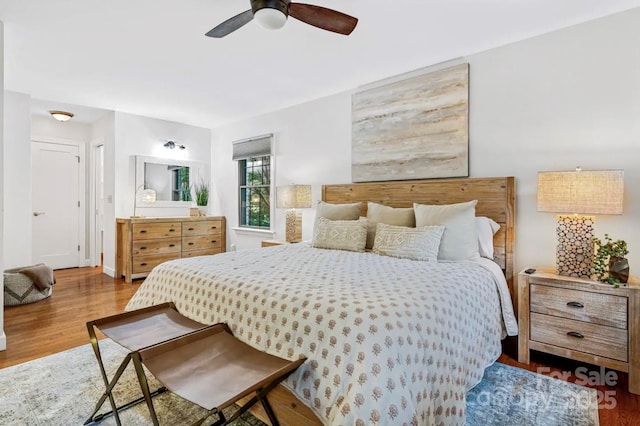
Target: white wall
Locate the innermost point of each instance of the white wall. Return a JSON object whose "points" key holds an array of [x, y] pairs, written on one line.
{"points": [[44, 127], [312, 147], [3, 337], [136, 135], [552, 102], [17, 176]]}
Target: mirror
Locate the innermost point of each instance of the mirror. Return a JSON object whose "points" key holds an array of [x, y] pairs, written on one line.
{"points": [[170, 179]]}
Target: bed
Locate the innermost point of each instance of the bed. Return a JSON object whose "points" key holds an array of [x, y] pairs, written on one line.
{"points": [[384, 344]]}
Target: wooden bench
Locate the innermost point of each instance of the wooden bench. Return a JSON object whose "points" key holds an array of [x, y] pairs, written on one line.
{"points": [[202, 364]]}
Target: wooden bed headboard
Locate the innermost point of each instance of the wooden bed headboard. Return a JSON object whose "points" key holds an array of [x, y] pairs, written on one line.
{"points": [[496, 199]]}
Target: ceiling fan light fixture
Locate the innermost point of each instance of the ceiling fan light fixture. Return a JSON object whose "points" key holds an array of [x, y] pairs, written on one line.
{"points": [[271, 19], [61, 116], [270, 14]]}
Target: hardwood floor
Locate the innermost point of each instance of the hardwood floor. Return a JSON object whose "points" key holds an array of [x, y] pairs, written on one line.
{"points": [[58, 323]]}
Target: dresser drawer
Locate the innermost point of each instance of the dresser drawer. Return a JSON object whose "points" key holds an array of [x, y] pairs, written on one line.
{"points": [[148, 231], [205, 227], [147, 263], [596, 339], [201, 242], [596, 308], [160, 246], [204, 252]]}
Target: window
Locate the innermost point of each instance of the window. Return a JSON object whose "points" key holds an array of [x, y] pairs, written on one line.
{"points": [[255, 191], [181, 189], [254, 181]]}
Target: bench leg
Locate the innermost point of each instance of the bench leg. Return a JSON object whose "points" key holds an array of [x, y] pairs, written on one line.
{"points": [[144, 386], [108, 385]]}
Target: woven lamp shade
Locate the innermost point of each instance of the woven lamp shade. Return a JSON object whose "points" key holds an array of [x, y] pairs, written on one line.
{"points": [[588, 192], [579, 192], [293, 197]]}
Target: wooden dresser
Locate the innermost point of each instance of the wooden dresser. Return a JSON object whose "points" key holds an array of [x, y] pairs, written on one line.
{"points": [[143, 243], [580, 319]]}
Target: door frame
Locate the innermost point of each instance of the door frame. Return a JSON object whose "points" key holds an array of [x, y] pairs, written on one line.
{"points": [[83, 259], [94, 238]]}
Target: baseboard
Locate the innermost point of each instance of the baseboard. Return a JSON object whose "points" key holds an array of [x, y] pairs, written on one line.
{"points": [[109, 271], [3, 341]]}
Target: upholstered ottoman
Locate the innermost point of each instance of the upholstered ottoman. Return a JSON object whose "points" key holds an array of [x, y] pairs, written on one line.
{"points": [[27, 284]]}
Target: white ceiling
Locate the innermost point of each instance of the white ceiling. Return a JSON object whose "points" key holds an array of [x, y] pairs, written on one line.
{"points": [[150, 57]]}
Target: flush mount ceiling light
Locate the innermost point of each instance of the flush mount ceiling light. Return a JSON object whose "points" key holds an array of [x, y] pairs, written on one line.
{"points": [[172, 145], [61, 116]]}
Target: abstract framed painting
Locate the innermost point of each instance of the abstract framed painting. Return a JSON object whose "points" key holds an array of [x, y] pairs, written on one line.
{"points": [[415, 128]]}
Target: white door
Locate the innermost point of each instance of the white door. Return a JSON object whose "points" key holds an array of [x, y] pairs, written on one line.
{"points": [[55, 197]]}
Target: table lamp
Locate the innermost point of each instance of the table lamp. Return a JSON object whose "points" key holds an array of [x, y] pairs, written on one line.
{"points": [[580, 192], [146, 196], [293, 197]]}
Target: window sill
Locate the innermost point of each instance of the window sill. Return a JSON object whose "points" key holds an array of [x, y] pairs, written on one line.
{"points": [[253, 231]]}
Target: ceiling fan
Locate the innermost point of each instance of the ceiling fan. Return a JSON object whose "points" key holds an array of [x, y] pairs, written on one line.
{"points": [[272, 14]]}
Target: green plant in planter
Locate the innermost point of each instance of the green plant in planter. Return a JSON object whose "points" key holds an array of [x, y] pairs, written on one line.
{"points": [[202, 193], [607, 250]]}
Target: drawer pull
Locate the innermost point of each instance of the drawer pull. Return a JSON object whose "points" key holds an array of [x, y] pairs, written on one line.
{"points": [[213, 241], [143, 231], [575, 305], [172, 230], [213, 227], [143, 264], [143, 248], [172, 245], [190, 229], [575, 334], [190, 244]]}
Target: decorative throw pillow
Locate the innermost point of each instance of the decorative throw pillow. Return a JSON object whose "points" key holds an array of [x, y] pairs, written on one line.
{"points": [[337, 212], [348, 235], [486, 228], [379, 213], [408, 243], [460, 239]]}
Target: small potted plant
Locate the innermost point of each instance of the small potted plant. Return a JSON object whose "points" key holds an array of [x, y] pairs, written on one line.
{"points": [[610, 264], [201, 190]]}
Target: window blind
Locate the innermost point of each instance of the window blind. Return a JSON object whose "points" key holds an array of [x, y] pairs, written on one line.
{"points": [[253, 147]]}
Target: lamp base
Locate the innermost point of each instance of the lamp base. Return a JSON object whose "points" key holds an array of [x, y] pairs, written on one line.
{"points": [[293, 226], [575, 247]]}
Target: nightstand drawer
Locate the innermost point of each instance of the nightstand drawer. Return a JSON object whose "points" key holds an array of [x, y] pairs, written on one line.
{"points": [[596, 308], [608, 342]]}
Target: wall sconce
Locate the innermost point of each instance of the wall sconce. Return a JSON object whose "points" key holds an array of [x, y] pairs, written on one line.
{"points": [[61, 116], [172, 145], [580, 192], [293, 197]]}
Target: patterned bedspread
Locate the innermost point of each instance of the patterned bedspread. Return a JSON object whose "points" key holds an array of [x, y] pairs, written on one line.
{"points": [[388, 341]]}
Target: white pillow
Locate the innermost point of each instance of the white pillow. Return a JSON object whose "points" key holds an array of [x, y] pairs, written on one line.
{"points": [[408, 243], [348, 235], [460, 240], [486, 228], [379, 213]]}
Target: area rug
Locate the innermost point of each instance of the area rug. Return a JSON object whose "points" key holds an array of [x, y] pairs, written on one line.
{"points": [[62, 389]]}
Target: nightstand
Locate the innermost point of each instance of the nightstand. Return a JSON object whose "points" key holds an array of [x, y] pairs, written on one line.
{"points": [[580, 319], [269, 243]]}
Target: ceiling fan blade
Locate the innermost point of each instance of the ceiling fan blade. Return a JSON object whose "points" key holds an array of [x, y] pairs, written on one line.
{"points": [[321, 17], [230, 25]]}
